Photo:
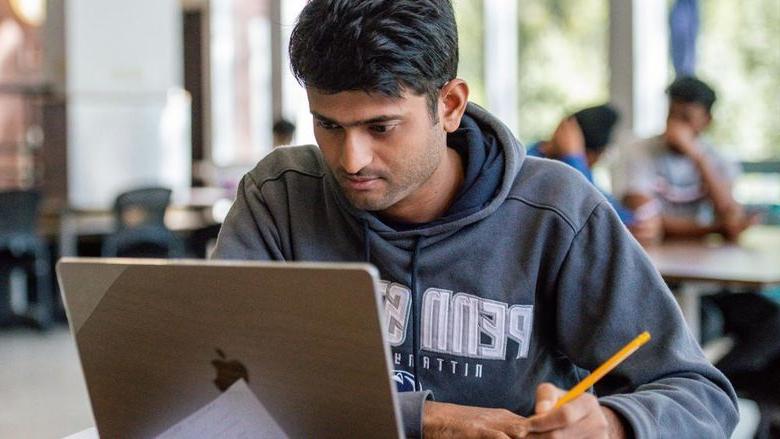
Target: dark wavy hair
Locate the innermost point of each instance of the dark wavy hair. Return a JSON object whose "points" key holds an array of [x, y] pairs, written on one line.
{"points": [[377, 46], [690, 89]]}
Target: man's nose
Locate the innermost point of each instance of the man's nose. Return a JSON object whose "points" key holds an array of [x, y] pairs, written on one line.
{"points": [[356, 153]]}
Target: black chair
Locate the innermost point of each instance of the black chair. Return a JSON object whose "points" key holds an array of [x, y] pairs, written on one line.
{"points": [[140, 227], [22, 248]]}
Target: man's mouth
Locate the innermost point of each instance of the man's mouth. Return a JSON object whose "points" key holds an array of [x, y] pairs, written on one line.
{"points": [[360, 183]]}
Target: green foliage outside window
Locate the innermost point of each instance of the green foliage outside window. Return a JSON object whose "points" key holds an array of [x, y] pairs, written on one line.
{"points": [[739, 54], [469, 16], [563, 58], [564, 61], [564, 66]]}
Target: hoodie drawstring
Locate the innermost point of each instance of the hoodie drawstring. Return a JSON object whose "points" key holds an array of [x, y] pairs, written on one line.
{"points": [[413, 303], [366, 243], [415, 311]]}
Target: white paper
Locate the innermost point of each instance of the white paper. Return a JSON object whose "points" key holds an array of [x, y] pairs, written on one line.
{"points": [[237, 414], [90, 433]]}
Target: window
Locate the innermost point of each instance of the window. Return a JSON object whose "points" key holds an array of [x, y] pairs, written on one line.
{"points": [[240, 81], [739, 54], [469, 16], [563, 61]]}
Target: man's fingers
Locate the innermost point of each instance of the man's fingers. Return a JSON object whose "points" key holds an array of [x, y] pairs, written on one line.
{"points": [[567, 415], [546, 396], [593, 425], [493, 434]]}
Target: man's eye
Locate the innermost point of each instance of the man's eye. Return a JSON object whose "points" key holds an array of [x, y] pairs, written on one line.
{"points": [[327, 125], [381, 128]]}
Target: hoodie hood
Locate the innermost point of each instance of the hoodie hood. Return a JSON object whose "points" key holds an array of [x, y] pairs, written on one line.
{"points": [[493, 161]]}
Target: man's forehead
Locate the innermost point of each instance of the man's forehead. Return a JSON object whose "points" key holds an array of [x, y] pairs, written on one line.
{"points": [[687, 106], [354, 106]]}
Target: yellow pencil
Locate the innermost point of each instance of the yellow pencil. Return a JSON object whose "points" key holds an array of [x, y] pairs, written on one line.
{"points": [[604, 369]]}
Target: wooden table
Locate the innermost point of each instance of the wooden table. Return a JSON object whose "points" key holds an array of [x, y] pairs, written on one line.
{"points": [[697, 266]]}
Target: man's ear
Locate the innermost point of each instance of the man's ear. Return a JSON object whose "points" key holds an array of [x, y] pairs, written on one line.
{"points": [[453, 98]]}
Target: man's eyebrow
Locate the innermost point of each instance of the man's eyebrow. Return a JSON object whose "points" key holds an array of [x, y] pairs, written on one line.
{"points": [[373, 120]]}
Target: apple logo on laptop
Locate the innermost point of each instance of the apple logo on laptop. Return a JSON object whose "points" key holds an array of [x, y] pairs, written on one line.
{"points": [[228, 371]]}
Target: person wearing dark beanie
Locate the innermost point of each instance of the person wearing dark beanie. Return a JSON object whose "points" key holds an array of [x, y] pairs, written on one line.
{"points": [[596, 124], [579, 141]]}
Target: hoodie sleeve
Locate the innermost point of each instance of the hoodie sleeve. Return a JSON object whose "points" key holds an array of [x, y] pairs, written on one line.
{"points": [[608, 292], [411, 404], [249, 231]]}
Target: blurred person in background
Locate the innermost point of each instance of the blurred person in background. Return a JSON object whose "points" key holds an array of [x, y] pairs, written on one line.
{"points": [[580, 140], [284, 131], [682, 171], [692, 183]]}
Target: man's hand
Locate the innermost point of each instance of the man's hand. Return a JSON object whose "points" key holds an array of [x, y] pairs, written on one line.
{"points": [[682, 138], [647, 226], [581, 418], [442, 420], [567, 139], [735, 222], [648, 231]]}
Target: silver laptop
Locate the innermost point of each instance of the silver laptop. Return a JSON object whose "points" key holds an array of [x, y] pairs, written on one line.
{"points": [[160, 339]]}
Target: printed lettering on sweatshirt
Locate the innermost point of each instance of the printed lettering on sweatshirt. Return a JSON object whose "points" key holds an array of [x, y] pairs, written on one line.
{"points": [[458, 324]]}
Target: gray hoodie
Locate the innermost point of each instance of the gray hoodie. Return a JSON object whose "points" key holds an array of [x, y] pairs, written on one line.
{"points": [[542, 283]]}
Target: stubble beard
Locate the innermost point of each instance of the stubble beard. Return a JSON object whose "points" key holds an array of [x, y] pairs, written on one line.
{"points": [[414, 173]]}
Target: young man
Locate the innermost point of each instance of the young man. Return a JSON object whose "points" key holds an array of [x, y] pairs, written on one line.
{"points": [[505, 278], [682, 171]]}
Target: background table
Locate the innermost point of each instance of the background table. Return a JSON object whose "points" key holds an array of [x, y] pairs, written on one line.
{"points": [[199, 208], [752, 262]]}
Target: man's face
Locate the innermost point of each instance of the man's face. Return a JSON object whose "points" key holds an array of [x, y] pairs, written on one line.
{"points": [[382, 150], [694, 115]]}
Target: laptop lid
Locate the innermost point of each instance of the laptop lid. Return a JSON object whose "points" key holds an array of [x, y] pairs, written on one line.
{"points": [[156, 339]]}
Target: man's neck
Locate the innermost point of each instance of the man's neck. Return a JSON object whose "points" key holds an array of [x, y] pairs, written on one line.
{"points": [[433, 202]]}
